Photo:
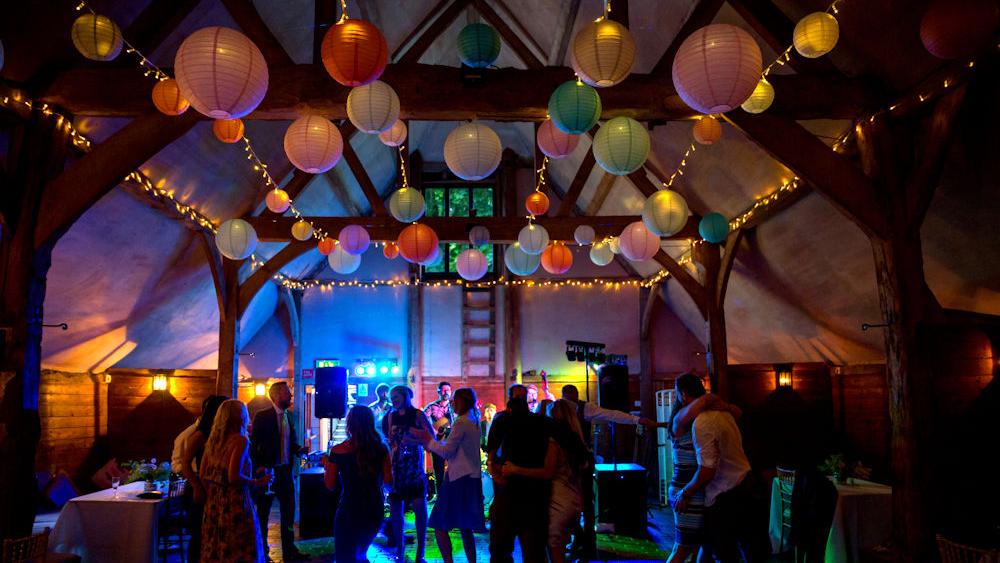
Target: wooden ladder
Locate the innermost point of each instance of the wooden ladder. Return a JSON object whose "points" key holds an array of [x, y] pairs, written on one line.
{"points": [[478, 332]]}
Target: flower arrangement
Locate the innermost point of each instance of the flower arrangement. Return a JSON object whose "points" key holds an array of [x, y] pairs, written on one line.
{"points": [[147, 471], [842, 470]]}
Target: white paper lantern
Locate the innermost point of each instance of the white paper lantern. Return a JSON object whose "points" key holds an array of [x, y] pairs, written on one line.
{"points": [[221, 72], [615, 245], [471, 264], [96, 37], [236, 239], [760, 99], [313, 144], [479, 235], [343, 262], [1, 55], [519, 262], [406, 205], [716, 68], [665, 213], [395, 136], [637, 243], [601, 253], [603, 53], [472, 151], [302, 230], [373, 108], [533, 239], [354, 239], [816, 35], [584, 235]]}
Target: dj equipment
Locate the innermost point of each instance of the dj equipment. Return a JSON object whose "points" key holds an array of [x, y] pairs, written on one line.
{"points": [[621, 497], [613, 381], [331, 392]]}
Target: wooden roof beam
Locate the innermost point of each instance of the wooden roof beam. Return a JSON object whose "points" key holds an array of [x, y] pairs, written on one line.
{"points": [[524, 52], [154, 24], [776, 29], [254, 283], [429, 29], [702, 14], [568, 201], [249, 20], [361, 175]]}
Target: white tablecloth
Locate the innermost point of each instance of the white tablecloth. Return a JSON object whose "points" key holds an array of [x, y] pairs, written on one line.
{"points": [[862, 519], [99, 527]]}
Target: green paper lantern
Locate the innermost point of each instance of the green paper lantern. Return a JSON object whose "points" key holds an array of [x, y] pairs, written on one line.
{"points": [[478, 45], [714, 228], [574, 107], [621, 146]]}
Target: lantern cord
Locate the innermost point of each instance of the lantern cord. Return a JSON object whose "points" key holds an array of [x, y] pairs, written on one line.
{"points": [[149, 69]]}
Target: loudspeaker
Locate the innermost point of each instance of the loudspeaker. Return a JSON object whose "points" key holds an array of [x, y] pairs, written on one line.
{"points": [[621, 497], [613, 380], [331, 392]]}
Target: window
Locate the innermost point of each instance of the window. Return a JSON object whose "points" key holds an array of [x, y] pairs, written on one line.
{"points": [[465, 199]]}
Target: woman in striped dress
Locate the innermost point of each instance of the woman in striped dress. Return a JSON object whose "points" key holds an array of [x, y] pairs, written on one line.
{"points": [[688, 525]]}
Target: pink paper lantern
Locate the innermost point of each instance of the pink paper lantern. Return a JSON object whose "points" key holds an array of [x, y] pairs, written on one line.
{"points": [[637, 243], [554, 143], [717, 68], [354, 239], [221, 72], [471, 264], [313, 144]]}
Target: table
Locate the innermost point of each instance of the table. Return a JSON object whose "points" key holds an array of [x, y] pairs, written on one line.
{"points": [[317, 505], [99, 527], [861, 520]]}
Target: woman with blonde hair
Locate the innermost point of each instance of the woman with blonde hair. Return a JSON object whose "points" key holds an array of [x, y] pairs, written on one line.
{"points": [[229, 530]]}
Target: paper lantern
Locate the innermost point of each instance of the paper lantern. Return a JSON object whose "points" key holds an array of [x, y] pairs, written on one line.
{"points": [[637, 243], [417, 243], [406, 205], [816, 35], [601, 253], [554, 143], [471, 264], [277, 200], [354, 239], [716, 68], [615, 245], [621, 146], [221, 72], [533, 239], [435, 259], [537, 203], [603, 52], [236, 239], [228, 130], [326, 246], [952, 29], [1, 55], [760, 99], [342, 261], [519, 262], [313, 144], [584, 235], [713, 227], [472, 151], [390, 250], [96, 37], [707, 130], [374, 107], [479, 235], [574, 107], [557, 258], [395, 135], [478, 45], [354, 52], [168, 99], [665, 213], [302, 230]]}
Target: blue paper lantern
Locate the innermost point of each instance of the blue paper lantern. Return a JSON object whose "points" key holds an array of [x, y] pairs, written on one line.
{"points": [[519, 262], [574, 107], [478, 45], [621, 146], [714, 228]]}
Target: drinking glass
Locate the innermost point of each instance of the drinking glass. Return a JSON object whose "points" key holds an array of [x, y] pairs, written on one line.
{"points": [[270, 478], [115, 481]]}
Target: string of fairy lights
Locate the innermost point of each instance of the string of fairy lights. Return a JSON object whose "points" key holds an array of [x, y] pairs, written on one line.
{"points": [[606, 283], [147, 66], [786, 56]]}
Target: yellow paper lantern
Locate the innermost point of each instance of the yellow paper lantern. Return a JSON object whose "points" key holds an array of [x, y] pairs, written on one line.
{"points": [[761, 99], [707, 130], [302, 230], [604, 52], [665, 213], [96, 37], [168, 99], [277, 200], [228, 130], [816, 35]]}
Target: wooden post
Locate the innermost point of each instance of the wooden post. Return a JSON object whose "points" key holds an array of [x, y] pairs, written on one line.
{"points": [[227, 381], [511, 295], [715, 318], [647, 305]]}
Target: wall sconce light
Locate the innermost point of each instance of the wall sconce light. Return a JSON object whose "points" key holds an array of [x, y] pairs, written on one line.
{"points": [[259, 389], [783, 375], [159, 382]]}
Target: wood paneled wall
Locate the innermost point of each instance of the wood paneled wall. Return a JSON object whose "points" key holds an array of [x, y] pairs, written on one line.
{"points": [[73, 419]]}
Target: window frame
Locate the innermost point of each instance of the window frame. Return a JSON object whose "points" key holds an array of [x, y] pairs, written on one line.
{"points": [[468, 186]]}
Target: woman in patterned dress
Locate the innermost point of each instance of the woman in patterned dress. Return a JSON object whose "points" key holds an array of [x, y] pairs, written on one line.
{"points": [[229, 529]]}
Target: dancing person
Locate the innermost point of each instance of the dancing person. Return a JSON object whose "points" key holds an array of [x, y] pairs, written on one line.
{"points": [[489, 412], [460, 500], [230, 531], [274, 445], [361, 464], [441, 415], [381, 405], [191, 454], [409, 481]]}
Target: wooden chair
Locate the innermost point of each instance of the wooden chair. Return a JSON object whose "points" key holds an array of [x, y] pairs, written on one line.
{"points": [[952, 552], [786, 484], [32, 549], [173, 520]]}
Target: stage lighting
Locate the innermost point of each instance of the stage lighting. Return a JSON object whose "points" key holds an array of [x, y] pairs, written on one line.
{"points": [[395, 370], [360, 370], [383, 370], [369, 370]]}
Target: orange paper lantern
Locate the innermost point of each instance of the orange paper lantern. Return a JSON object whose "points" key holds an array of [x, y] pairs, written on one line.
{"points": [[417, 243], [390, 250], [354, 52], [326, 246], [537, 203], [277, 200], [168, 99], [228, 130], [557, 258], [707, 130]]}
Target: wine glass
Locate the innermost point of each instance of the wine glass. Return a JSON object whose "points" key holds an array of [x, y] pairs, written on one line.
{"points": [[269, 472], [115, 482]]}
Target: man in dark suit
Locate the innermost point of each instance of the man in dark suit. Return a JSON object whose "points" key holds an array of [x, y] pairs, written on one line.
{"points": [[274, 445]]}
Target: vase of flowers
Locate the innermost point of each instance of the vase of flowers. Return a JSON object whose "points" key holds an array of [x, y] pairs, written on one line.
{"points": [[148, 471], [843, 471]]}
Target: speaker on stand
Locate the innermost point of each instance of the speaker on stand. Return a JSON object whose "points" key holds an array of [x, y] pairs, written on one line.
{"points": [[331, 392]]}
